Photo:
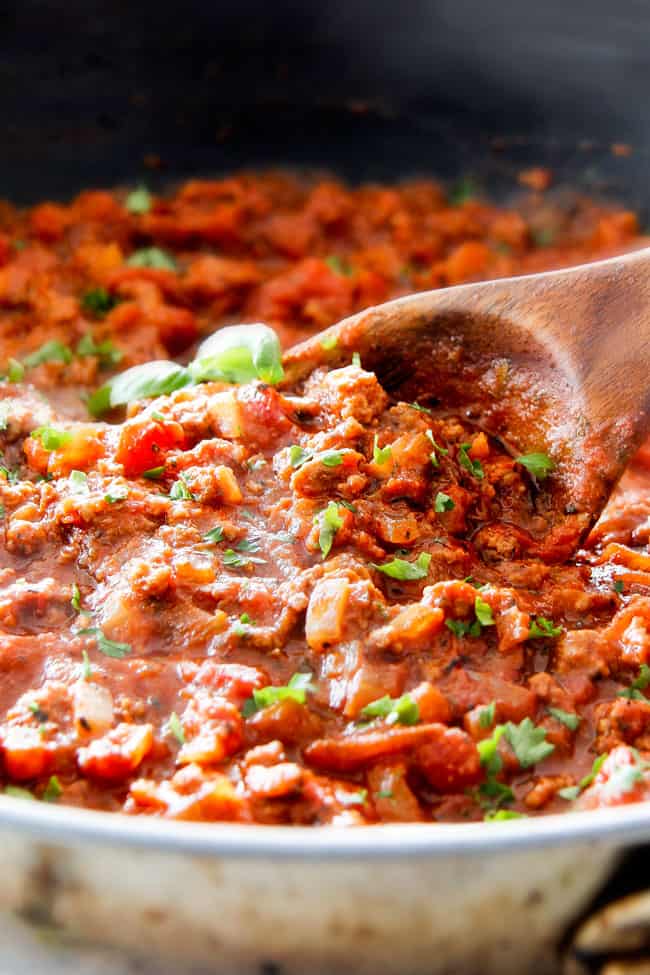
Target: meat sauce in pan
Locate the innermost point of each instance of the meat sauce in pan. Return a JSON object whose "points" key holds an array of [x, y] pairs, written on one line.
{"points": [[257, 603]]}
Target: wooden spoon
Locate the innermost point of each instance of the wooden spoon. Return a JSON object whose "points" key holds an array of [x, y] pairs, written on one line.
{"points": [[557, 363]]}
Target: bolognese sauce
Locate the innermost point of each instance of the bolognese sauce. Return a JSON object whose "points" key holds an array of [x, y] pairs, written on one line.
{"points": [[226, 597]]}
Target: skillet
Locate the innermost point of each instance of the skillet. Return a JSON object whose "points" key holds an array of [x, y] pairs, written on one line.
{"points": [[108, 94]]}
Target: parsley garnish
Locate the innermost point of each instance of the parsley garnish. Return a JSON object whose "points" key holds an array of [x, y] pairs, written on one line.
{"points": [[52, 351], [396, 710], [139, 201], [75, 599], [483, 612], [114, 498], [473, 466], [53, 790], [356, 360], [295, 690], [528, 742], [568, 718], [51, 438], [487, 715], [420, 409], [331, 458], [214, 536], [339, 265], [110, 648], [154, 258], [298, 456], [329, 342], [462, 628], [180, 490], [352, 798], [98, 302], [497, 815], [107, 353], [87, 670], [328, 521], [443, 503], [381, 455], [618, 586], [437, 449], [406, 571], [175, 728], [539, 465], [78, 482], [633, 692], [541, 628], [240, 627], [154, 473], [15, 371]]}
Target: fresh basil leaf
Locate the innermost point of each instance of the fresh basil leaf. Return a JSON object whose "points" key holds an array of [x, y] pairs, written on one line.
{"points": [[329, 522], [239, 354], [158, 378]]}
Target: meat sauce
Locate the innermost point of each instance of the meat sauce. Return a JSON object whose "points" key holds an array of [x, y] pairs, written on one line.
{"points": [[252, 602]]}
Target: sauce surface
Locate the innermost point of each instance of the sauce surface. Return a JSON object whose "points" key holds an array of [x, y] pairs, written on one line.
{"points": [[294, 605]]}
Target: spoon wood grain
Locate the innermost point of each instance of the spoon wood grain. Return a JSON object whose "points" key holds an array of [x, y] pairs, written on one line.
{"points": [[557, 363]]}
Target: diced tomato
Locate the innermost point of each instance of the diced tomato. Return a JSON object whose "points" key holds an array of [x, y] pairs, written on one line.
{"points": [[144, 443]]}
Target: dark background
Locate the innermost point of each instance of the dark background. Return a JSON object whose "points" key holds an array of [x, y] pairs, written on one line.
{"points": [[371, 89]]}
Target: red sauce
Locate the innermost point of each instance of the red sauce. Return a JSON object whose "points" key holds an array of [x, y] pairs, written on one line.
{"points": [[306, 605]]}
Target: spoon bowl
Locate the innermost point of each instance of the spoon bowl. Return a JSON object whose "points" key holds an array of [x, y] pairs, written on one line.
{"points": [[553, 363]]}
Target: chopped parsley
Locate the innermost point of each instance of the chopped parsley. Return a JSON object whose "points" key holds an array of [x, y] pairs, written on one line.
{"points": [[329, 342], [175, 728], [52, 351], [483, 612], [396, 710], [340, 266], [443, 503], [528, 742], [295, 690], [78, 482], [328, 521], [541, 628], [51, 438], [498, 815], [107, 353], [487, 715], [15, 371], [539, 465], [420, 409], [569, 719], [356, 360], [87, 670], [154, 473], [75, 599], [299, 456], [618, 586], [461, 628], [437, 449], [139, 201], [352, 798], [633, 692], [241, 626], [53, 790], [406, 571], [115, 498], [180, 490], [214, 536], [332, 458], [381, 455], [110, 648], [154, 258], [473, 466], [98, 302]]}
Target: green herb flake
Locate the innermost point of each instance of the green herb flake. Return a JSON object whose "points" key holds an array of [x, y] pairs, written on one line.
{"points": [[381, 455], [400, 710], [420, 409], [98, 302], [154, 258], [572, 792], [15, 371], [528, 742], [78, 482], [633, 692], [541, 628], [356, 360], [110, 648], [75, 599], [499, 815], [51, 438], [385, 794], [352, 798], [487, 715], [116, 498], [107, 353], [618, 586], [241, 626], [406, 571], [214, 536], [86, 669], [53, 790], [539, 465], [569, 719], [175, 728], [329, 342], [52, 351], [154, 473], [474, 467], [16, 792], [180, 490], [328, 521], [295, 690], [483, 612], [443, 503], [331, 458], [298, 456], [151, 379], [340, 266], [139, 201], [461, 628]]}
